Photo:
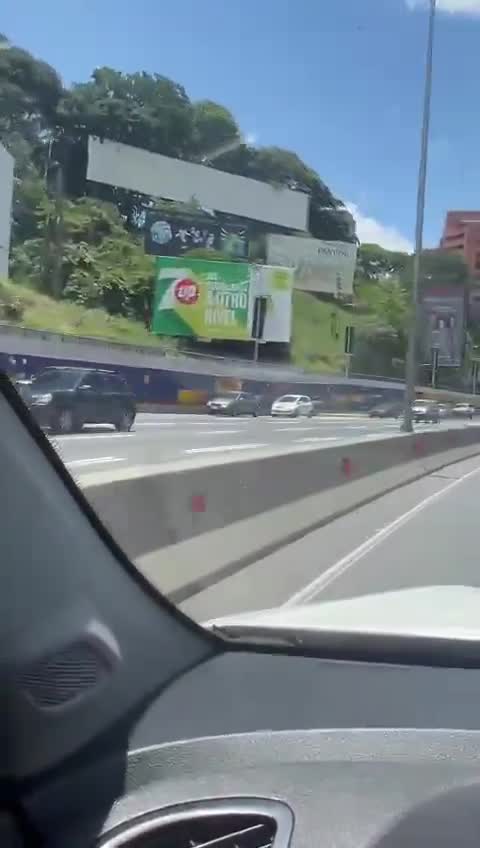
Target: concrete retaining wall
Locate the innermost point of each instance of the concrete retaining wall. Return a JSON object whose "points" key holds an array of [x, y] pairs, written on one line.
{"points": [[188, 526]]}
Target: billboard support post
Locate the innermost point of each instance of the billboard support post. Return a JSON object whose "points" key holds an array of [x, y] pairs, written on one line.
{"points": [[410, 368], [348, 348], [434, 366], [258, 325], [348, 362], [474, 376]]}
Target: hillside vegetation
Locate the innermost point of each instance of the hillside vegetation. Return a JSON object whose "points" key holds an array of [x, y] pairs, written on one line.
{"points": [[23, 306]]}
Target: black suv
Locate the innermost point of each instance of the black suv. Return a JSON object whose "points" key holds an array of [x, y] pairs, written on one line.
{"points": [[64, 399]]}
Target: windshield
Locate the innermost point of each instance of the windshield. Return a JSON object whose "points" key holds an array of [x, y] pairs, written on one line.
{"points": [[256, 226], [50, 380]]}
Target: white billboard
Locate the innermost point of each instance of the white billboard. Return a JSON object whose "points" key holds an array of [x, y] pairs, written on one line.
{"points": [[6, 193], [276, 284], [160, 176], [320, 266]]}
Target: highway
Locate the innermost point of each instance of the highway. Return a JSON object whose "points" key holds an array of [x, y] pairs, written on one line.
{"points": [[157, 439], [425, 533]]}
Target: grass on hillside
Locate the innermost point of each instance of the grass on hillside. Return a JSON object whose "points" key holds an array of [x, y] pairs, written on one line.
{"points": [[318, 332], [25, 307]]}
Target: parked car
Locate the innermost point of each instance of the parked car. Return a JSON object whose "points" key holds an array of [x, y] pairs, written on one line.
{"points": [[426, 411], [392, 409], [64, 399], [463, 410], [234, 403], [293, 406]]}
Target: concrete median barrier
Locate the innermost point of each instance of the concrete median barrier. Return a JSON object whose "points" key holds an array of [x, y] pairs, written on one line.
{"points": [[188, 526]]}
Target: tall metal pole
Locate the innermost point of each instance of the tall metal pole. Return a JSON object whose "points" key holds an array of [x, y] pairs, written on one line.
{"points": [[410, 365]]}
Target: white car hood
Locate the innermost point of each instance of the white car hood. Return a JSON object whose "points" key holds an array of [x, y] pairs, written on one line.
{"points": [[432, 612]]}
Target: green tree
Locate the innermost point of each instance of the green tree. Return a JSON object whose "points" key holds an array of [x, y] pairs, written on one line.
{"points": [[144, 110], [438, 268], [213, 126], [30, 91], [376, 263]]}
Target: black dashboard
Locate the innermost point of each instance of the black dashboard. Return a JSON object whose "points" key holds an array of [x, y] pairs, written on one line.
{"points": [[358, 754]]}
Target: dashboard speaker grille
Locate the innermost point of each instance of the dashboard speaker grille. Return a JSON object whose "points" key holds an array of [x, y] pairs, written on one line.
{"points": [[64, 676]]}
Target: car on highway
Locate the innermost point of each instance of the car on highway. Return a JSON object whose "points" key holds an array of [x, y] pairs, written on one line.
{"points": [[463, 410], [293, 406], [387, 410], [63, 399], [234, 403], [443, 410], [426, 411]]}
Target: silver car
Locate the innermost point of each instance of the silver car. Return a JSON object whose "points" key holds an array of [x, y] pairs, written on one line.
{"points": [[293, 406]]}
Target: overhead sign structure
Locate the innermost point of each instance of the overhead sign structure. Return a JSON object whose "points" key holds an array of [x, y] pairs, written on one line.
{"points": [[155, 175], [172, 236], [215, 300], [320, 266]]}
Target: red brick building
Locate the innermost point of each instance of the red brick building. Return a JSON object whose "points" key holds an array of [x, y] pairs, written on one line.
{"points": [[461, 234]]}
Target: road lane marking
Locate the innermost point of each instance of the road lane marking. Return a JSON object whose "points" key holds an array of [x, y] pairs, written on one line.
{"points": [[154, 424], [318, 439], [76, 463], [76, 437], [221, 448], [343, 565], [293, 429], [215, 432]]}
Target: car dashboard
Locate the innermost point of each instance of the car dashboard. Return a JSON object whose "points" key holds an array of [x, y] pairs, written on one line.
{"points": [[304, 752]]}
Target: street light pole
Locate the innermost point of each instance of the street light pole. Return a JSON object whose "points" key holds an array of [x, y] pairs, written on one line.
{"points": [[410, 365]]}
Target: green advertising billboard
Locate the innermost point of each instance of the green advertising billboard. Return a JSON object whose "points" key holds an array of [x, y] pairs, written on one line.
{"points": [[202, 298]]}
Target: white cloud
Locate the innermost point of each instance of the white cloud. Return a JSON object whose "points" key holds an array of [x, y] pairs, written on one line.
{"points": [[454, 7], [373, 232]]}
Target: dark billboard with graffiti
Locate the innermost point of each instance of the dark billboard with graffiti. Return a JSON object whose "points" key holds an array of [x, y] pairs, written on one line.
{"points": [[173, 236]]}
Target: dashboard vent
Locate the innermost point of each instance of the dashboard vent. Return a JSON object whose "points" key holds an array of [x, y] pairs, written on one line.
{"points": [[220, 824]]}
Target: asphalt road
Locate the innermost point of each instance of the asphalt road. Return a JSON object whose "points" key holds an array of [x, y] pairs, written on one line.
{"points": [[426, 533], [170, 438]]}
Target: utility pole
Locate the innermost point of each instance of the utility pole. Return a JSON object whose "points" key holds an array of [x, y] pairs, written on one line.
{"points": [[410, 366], [58, 232], [54, 235]]}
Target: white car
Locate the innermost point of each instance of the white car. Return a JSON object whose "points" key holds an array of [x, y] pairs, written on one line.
{"points": [[293, 406], [463, 410]]}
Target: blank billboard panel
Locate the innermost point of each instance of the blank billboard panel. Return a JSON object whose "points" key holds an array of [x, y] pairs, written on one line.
{"points": [[138, 170], [320, 266], [6, 192]]}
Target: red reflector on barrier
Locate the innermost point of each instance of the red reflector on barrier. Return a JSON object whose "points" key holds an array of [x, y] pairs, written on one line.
{"points": [[419, 447], [198, 503], [347, 466]]}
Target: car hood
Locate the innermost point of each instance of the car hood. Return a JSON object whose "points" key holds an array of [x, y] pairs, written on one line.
{"points": [[432, 612]]}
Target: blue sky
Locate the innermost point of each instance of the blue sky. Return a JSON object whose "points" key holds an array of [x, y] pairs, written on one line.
{"points": [[338, 81]]}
